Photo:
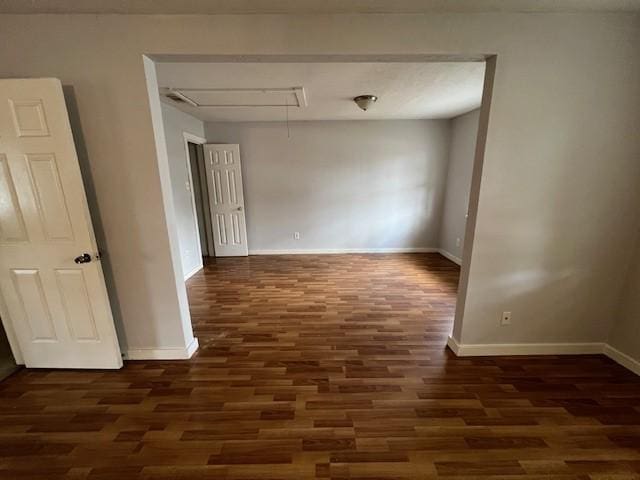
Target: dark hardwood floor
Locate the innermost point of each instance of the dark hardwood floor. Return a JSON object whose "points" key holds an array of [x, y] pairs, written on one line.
{"points": [[329, 366]]}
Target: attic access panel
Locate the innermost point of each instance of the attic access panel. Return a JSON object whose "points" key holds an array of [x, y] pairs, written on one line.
{"points": [[242, 97]]}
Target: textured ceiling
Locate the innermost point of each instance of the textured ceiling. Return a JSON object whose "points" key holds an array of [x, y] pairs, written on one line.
{"points": [[309, 6], [405, 90]]}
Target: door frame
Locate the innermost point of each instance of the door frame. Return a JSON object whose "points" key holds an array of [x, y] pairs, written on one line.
{"points": [[191, 138], [490, 59]]}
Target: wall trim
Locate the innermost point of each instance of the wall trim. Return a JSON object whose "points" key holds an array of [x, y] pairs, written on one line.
{"points": [[194, 271], [484, 350], [622, 359], [450, 256], [487, 350], [336, 251], [190, 137], [453, 345], [333, 251], [176, 353]]}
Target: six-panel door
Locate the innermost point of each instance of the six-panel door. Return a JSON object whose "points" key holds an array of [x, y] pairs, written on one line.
{"points": [[226, 200], [57, 311]]}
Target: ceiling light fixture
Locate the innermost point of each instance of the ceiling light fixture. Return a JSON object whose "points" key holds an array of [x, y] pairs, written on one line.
{"points": [[365, 101]]}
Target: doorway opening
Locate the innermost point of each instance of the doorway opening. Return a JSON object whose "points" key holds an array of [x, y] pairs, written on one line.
{"points": [[390, 189]]}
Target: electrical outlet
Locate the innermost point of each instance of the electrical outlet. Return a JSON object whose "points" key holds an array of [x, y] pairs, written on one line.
{"points": [[506, 318], [296, 235], [458, 242]]}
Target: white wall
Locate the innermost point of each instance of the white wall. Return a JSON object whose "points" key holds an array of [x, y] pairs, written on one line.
{"points": [[559, 194], [464, 131], [344, 185], [176, 123], [625, 335]]}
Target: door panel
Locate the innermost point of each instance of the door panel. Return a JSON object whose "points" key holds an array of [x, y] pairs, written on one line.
{"points": [[12, 228], [49, 197], [57, 311], [226, 199], [37, 316], [29, 118], [77, 305]]}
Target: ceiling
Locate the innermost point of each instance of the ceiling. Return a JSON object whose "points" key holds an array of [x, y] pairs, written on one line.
{"points": [[405, 90], [309, 6]]}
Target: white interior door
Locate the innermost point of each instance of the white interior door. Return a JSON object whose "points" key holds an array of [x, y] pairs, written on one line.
{"points": [[55, 305], [226, 200]]}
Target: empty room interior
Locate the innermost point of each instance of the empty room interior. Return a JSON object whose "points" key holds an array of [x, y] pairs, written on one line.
{"points": [[287, 158], [333, 240]]}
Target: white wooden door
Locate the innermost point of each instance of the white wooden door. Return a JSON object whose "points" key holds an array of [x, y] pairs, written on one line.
{"points": [[54, 308], [226, 200]]}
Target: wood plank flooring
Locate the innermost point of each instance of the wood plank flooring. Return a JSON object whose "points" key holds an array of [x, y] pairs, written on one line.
{"points": [[329, 367]]}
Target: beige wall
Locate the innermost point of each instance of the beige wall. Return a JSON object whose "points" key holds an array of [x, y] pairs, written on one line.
{"points": [[176, 123], [462, 148], [343, 185], [625, 335], [558, 202]]}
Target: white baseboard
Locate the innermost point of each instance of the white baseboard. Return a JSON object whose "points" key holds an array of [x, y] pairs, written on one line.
{"points": [[330, 251], [622, 358], [450, 256], [337, 251], [193, 272], [177, 353], [453, 345], [488, 350]]}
